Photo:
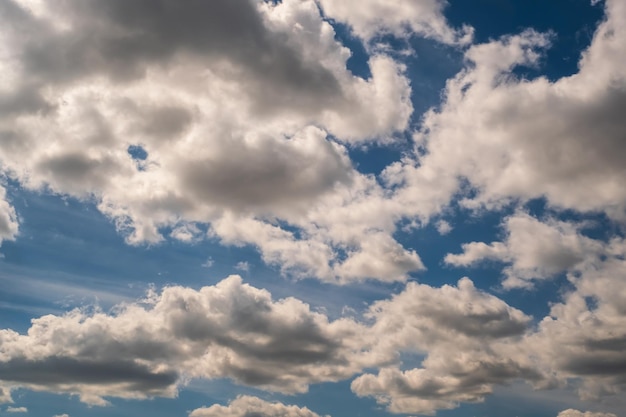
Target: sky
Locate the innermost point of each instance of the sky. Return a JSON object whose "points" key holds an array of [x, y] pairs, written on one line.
{"points": [[312, 208]]}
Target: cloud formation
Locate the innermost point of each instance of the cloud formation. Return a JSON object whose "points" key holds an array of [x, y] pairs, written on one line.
{"points": [[164, 130], [469, 340], [534, 249], [531, 138], [575, 413], [371, 18], [146, 349]]}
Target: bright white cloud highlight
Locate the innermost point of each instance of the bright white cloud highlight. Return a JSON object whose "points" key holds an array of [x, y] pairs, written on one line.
{"points": [[251, 406], [371, 18], [9, 225], [535, 250], [513, 138]]}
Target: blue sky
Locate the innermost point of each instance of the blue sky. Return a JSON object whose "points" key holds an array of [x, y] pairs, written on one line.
{"points": [[312, 208]]}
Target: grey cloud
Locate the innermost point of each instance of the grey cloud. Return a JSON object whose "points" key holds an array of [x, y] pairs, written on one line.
{"points": [[469, 338], [120, 39], [77, 171], [449, 313], [466, 378], [267, 173], [59, 372]]}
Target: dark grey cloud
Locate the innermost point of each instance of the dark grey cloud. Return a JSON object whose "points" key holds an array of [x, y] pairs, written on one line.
{"points": [[56, 372], [267, 173]]}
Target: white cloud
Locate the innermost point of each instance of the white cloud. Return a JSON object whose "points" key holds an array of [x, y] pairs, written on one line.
{"points": [[17, 410], [575, 413], [561, 139], [9, 225], [62, 415], [443, 227], [230, 330], [243, 266], [534, 249], [370, 18], [244, 406], [253, 142], [470, 342]]}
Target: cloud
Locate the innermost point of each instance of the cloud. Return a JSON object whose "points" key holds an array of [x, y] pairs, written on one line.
{"points": [[468, 342], [469, 339], [232, 330], [372, 18], [575, 413], [245, 406], [9, 225], [243, 266], [534, 249], [17, 410], [62, 415], [530, 138], [443, 227], [583, 338], [253, 123], [150, 348]]}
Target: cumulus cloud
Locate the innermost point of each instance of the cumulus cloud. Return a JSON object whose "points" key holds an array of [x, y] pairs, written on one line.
{"points": [[534, 249], [17, 410], [469, 341], [505, 137], [166, 131], [583, 338], [371, 18], [245, 406], [230, 330]]}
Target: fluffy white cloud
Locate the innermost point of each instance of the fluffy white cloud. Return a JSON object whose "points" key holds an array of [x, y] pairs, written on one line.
{"points": [[370, 18], [9, 225], [470, 342], [534, 249], [244, 406], [509, 138], [231, 128], [17, 410], [232, 330]]}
